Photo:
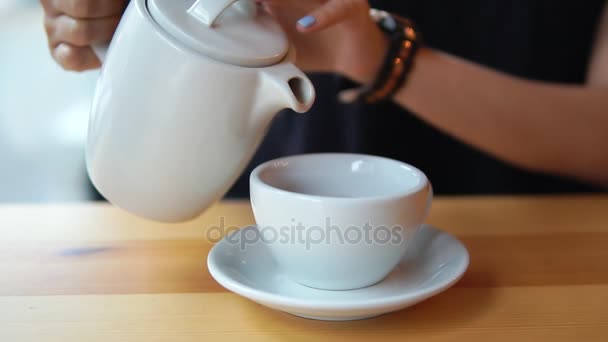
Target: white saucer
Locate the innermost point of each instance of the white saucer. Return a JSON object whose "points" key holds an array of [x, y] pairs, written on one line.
{"points": [[435, 262]]}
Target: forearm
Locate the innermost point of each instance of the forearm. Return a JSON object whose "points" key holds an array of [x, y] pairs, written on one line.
{"points": [[539, 126]]}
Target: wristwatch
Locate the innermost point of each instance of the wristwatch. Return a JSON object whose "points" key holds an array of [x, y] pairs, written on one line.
{"points": [[404, 42]]}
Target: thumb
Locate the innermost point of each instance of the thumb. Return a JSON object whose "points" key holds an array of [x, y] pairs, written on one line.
{"points": [[331, 13]]}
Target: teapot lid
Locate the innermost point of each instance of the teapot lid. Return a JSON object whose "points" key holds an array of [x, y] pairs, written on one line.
{"points": [[229, 31]]}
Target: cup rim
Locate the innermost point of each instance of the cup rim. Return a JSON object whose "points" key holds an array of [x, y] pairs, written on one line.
{"points": [[256, 181]]}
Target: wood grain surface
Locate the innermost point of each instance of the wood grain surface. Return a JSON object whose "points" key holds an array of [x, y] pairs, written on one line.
{"points": [[91, 272]]}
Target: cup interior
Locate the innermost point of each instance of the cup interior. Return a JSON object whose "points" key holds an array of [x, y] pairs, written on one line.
{"points": [[341, 176]]}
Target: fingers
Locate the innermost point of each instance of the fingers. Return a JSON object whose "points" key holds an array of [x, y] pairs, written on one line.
{"points": [[331, 13], [84, 9], [72, 26], [70, 39], [75, 58], [80, 32]]}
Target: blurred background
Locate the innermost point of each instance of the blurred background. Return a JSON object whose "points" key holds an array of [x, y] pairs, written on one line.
{"points": [[43, 114]]}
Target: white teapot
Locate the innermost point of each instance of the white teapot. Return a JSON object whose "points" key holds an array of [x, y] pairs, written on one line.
{"points": [[186, 93]]}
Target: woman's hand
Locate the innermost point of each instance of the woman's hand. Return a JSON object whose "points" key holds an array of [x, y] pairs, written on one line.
{"points": [[329, 35], [332, 35], [72, 26]]}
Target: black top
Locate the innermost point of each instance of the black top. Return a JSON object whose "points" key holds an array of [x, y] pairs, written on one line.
{"points": [[537, 39]]}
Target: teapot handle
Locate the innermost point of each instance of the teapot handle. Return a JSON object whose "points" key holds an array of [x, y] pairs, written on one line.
{"points": [[207, 11]]}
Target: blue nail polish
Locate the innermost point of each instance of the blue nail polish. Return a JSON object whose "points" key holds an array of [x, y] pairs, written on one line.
{"points": [[307, 21]]}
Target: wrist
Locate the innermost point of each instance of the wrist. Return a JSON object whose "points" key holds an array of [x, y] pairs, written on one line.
{"points": [[403, 44], [363, 57]]}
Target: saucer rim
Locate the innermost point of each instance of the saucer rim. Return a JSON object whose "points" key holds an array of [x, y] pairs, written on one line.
{"points": [[325, 304]]}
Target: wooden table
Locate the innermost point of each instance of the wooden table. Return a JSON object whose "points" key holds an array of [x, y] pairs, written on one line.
{"points": [[90, 272]]}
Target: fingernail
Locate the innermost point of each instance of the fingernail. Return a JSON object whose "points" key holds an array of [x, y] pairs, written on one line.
{"points": [[307, 21]]}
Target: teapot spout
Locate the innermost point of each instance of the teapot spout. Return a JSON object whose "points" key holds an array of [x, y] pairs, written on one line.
{"points": [[284, 86]]}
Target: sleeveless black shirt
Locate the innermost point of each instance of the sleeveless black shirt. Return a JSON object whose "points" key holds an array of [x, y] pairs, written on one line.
{"points": [[545, 40]]}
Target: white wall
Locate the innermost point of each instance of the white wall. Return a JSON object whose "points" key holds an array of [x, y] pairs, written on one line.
{"points": [[43, 113]]}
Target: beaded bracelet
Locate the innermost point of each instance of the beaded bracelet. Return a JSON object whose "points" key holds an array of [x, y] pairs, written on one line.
{"points": [[404, 41]]}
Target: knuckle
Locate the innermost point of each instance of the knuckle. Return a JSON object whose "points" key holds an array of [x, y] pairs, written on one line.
{"points": [[70, 59], [84, 32], [80, 32], [81, 8]]}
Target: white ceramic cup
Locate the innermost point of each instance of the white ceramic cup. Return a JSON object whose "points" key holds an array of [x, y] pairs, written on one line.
{"points": [[338, 221]]}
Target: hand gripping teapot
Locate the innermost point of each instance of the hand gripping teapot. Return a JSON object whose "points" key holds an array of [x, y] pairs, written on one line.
{"points": [[186, 93]]}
